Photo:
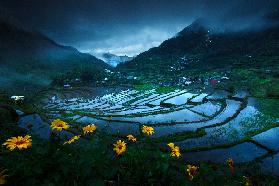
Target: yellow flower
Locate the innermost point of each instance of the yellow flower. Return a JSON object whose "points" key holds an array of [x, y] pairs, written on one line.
{"points": [[2, 177], [19, 142], [89, 129], [175, 152], [147, 130], [191, 170], [131, 138], [171, 145], [119, 147], [72, 140], [59, 125]]}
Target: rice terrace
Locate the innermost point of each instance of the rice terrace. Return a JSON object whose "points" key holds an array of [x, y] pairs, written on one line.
{"points": [[207, 124], [195, 119], [139, 93]]}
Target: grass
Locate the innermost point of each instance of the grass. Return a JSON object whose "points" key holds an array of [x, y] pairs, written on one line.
{"points": [[92, 161], [158, 89], [269, 107], [256, 81], [257, 124], [164, 90], [144, 87], [180, 136], [65, 114]]}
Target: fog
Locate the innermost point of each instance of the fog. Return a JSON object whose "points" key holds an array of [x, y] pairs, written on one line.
{"points": [[130, 27]]}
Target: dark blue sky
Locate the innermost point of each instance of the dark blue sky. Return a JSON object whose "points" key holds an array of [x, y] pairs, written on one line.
{"points": [[130, 26]]}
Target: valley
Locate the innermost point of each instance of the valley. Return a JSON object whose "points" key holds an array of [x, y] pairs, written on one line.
{"points": [[214, 94]]}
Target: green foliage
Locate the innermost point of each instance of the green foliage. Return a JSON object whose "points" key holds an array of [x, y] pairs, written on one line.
{"points": [[273, 90], [269, 107], [257, 124], [64, 114], [181, 136], [86, 163], [10, 129], [150, 105], [85, 75], [164, 90], [143, 87], [91, 161], [166, 105], [258, 83], [143, 166]]}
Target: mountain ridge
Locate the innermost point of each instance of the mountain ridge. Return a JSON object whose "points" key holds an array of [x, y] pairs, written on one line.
{"points": [[204, 49], [32, 56]]}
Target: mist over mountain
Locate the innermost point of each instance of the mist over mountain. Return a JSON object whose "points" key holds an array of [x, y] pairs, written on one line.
{"points": [[113, 60], [224, 34], [198, 47], [131, 27], [28, 58]]}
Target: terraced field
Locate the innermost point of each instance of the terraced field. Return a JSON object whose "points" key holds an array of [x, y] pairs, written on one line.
{"points": [[208, 125]]}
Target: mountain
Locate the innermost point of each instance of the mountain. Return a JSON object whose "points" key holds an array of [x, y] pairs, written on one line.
{"points": [[113, 60], [272, 16], [29, 59], [197, 48]]}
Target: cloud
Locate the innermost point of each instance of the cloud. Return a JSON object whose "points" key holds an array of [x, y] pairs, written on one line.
{"points": [[129, 43], [131, 26]]}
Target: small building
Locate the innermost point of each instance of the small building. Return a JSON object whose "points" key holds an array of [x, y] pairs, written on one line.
{"points": [[17, 98], [67, 86], [187, 82], [107, 71], [130, 77], [53, 99], [213, 82], [224, 78]]}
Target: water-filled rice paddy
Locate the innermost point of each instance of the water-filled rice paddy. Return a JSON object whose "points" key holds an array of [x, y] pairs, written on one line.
{"points": [[231, 122]]}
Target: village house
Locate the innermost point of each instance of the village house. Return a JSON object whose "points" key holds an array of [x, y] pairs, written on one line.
{"points": [[17, 98], [67, 86]]}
